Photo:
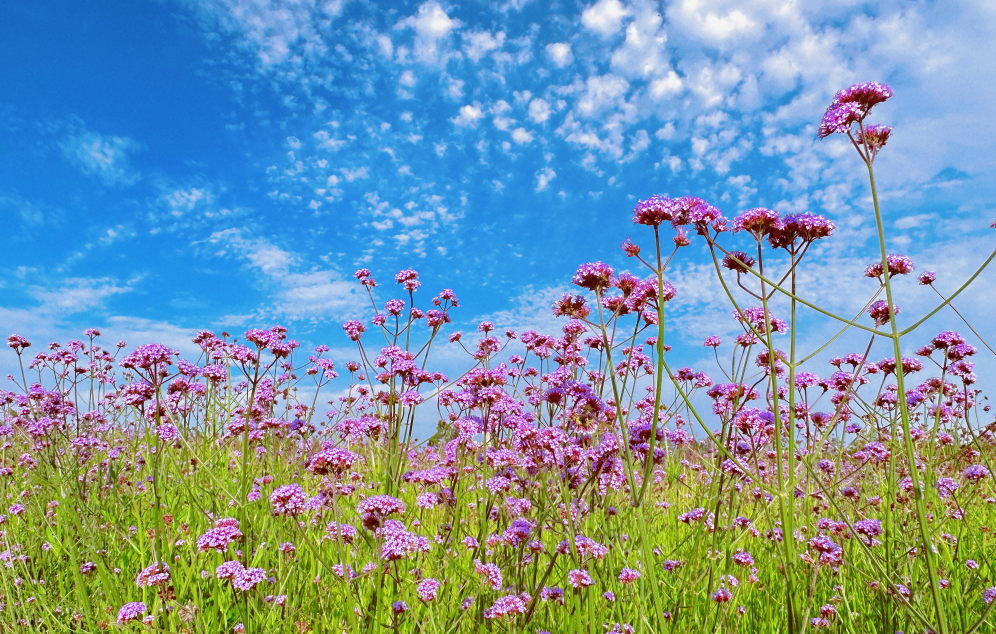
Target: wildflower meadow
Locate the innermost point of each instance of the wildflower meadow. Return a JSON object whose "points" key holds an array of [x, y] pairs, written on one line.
{"points": [[578, 481]]}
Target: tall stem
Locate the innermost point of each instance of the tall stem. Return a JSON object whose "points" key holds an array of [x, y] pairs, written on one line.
{"points": [[921, 511]]}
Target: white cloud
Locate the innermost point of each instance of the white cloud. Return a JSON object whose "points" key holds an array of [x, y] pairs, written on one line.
{"points": [[311, 295], [385, 46], [357, 173], [543, 178], [601, 93], [560, 53], [327, 141], [697, 18], [432, 27], [268, 258], [469, 115], [666, 86], [75, 295], [407, 79], [105, 157], [454, 88], [180, 201], [477, 44], [521, 136], [539, 110], [642, 54], [273, 31], [605, 17]]}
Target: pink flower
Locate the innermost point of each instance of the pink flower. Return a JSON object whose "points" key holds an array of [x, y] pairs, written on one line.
{"points": [[507, 605], [579, 578], [131, 611], [427, 589]]}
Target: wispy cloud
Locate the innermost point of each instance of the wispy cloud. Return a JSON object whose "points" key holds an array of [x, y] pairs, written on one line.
{"points": [[103, 156], [307, 295]]}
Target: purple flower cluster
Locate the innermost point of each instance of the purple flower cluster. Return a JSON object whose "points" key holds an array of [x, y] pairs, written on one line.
{"points": [[850, 106]]}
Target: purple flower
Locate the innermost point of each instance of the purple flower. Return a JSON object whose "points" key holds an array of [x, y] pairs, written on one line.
{"points": [[354, 329], [491, 572], [838, 119], [288, 499], [225, 532], [131, 611], [411, 398], [879, 312], [758, 222], [409, 278], [363, 275], [152, 576], [738, 261], [579, 578], [628, 575], [149, 356], [427, 589], [755, 317], [807, 227], [18, 343], [866, 95], [874, 138], [654, 211], [975, 473], [242, 578], [722, 595], [382, 505], [868, 527], [898, 265], [946, 487], [334, 460], [712, 341], [595, 276], [989, 594], [504, 606], [850, 106]]}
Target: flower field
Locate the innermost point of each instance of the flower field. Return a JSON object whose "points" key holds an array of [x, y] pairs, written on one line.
{"points": [[578, 482]]}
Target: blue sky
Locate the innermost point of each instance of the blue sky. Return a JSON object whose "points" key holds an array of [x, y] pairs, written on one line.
{"points": [[172, 165]]}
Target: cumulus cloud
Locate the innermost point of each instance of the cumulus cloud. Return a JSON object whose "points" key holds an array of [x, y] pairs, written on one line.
{"points": [[605, 17], [601, 93], [469, 115], [432, 28], [521, 136], [477, 44], [560, 54], [543, 178], [539, 110]]}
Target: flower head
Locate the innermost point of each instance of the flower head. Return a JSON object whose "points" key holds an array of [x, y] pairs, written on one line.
{"points": [[131, 611], [879, 312], [852, 105], [427, 589], [807, 227], [758, 222], [595, 276], [654, 211], [738, 261], [873, 138], [288, 500]]}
